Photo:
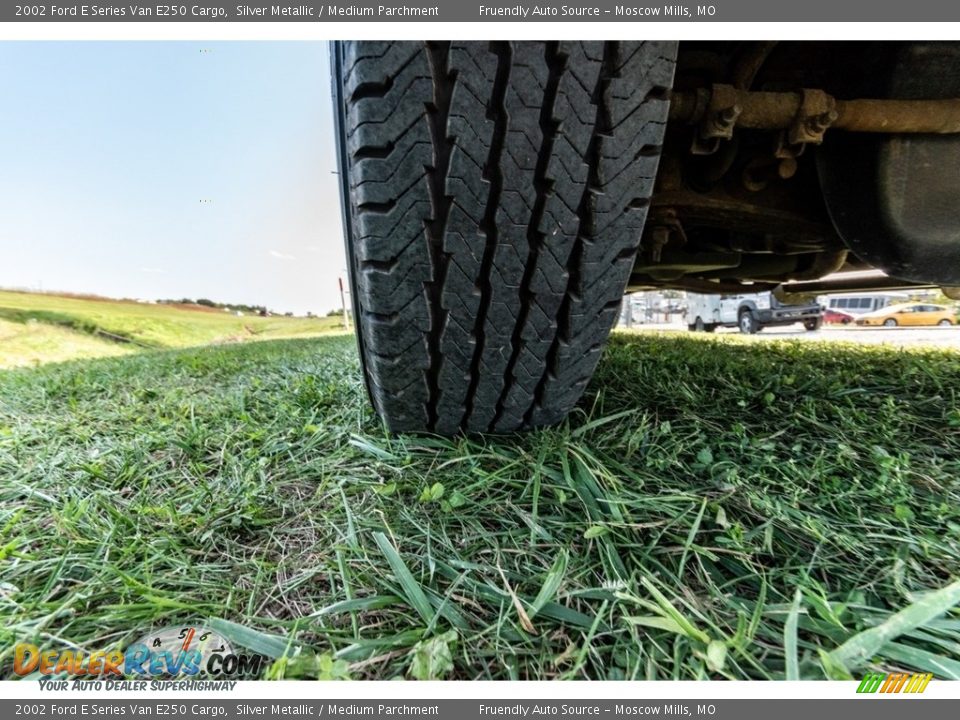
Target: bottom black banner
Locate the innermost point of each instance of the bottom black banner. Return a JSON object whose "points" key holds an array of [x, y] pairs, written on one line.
{"points": [[876, 707]]}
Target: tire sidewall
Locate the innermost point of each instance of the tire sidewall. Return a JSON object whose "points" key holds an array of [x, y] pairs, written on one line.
{"points": [[747, 323]]}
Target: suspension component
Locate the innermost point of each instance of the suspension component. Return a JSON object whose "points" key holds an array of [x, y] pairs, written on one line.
{"points": [[804, 116]]}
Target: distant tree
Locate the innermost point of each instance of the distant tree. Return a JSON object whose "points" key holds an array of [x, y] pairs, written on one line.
{"points": [[173, 301], [937, 297], [231, 307]]}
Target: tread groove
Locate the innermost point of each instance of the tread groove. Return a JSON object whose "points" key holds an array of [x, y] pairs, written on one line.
{"points": [[438, 114], [497, 111], [556, 64], [586, 220]]}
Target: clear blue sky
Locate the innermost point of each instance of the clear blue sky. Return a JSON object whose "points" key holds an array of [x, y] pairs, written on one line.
{"points": [[170, 169]]}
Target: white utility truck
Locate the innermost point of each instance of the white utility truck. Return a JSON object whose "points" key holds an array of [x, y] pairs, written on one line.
{"points": [[750, 312]]}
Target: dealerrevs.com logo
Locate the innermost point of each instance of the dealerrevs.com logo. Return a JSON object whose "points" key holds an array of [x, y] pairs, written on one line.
{"points": [[173, 652]]}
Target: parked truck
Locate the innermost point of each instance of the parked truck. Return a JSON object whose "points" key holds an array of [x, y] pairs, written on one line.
{"points": [[750, 312]]}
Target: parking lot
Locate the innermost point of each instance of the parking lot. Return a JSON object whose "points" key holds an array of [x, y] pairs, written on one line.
{"points": [[906, 337], [945, 337]]}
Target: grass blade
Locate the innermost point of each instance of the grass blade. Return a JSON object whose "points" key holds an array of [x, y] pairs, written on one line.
{"points": [[412, 591], [940, 666], [861, 647], [551, 583], [790, 638], [670, 611], [273, 646], [656, 621], [694, 529], [374, 602]]}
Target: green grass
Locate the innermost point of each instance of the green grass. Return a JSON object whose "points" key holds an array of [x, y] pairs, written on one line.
{"points": [[712, 509], [53, 328], [32, 343]]}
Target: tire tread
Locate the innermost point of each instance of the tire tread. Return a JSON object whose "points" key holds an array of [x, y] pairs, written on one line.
{"points": [[497, 195]]}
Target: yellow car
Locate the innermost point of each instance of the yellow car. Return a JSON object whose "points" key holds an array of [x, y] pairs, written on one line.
{"points": [[910, 314]]}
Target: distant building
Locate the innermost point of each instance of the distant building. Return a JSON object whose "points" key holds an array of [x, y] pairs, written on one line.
{"points": [[653, 307]]}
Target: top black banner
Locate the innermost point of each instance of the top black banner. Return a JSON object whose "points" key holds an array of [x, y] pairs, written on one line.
{"points": [[485, 11]]}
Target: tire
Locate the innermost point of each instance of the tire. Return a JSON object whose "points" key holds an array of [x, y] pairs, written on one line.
{"points": [[945, 323], [748, 323], [890, 322], [813, 324], [698, 325], [494, 196]]}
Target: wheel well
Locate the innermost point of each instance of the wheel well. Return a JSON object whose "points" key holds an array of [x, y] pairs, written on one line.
{"points": [[738, 206]]}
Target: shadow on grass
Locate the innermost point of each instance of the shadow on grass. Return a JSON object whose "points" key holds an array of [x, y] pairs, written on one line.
{"points": [[69, 322]]}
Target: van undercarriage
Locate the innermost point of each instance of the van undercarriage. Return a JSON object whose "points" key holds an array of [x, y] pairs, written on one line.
{"points": [[767, 176]]}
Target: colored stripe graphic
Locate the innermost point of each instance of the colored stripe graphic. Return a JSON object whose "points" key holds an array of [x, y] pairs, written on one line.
{"points": [[894, 683], [870, 683]]}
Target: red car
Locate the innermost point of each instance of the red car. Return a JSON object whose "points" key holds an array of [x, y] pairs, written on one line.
{"points": [[838, 317]]}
